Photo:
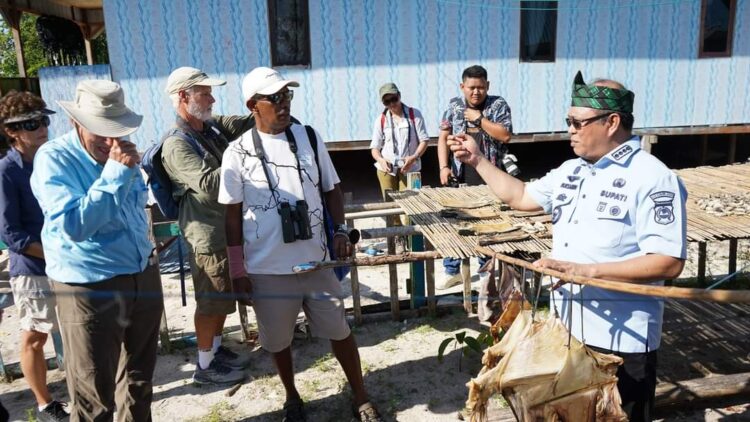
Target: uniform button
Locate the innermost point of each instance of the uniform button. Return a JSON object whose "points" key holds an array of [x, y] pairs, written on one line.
{"points": [[575, 222], [584, 196], [593, 173], [566, 244]]}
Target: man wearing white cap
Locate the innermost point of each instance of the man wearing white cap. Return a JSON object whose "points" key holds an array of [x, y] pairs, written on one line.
{"points": [[191, 154], [276, 181], [97, 250]]}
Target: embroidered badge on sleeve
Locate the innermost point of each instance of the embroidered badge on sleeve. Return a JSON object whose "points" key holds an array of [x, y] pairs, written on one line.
{"points": [[663, 208]]}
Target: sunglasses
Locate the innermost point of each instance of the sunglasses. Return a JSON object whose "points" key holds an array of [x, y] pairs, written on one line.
{"points": [[578, 124], [278, 97], [390, 100], [30, 125]]}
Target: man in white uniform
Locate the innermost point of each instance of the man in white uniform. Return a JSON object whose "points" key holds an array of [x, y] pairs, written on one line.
{"points": [[618, 214]]}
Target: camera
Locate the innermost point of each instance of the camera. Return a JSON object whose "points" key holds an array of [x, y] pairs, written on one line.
{"points": [[295, 221], [509, 162]]}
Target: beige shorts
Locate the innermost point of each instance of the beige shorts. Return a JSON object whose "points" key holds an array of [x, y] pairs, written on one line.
{"points": [[277, 300], [213, 287], [36, 303]]}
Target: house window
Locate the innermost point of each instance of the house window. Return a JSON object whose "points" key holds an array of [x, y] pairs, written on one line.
{"points": [[717, 24], [538, 31], [289, 27]]}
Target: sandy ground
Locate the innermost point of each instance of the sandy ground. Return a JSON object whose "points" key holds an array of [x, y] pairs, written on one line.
{"points": [[399, 360]]}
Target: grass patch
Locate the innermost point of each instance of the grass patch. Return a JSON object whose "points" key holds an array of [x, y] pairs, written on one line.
{"points": [[323, 363], [219, 412], [424, 329], [30, 415]]}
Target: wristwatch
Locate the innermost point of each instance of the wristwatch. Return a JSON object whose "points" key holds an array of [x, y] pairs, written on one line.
{"points": [[478, 121]]}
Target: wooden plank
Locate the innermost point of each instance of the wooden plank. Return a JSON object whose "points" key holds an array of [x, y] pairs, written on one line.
{"points": [[712, 387], [672, 394]]}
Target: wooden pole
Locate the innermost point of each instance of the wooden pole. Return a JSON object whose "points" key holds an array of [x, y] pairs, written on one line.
{"points": [[430, 278], [466, 278], [702, 264], [13, 18], [392, 270], [732, 153], [378, 233], [354, 277], [732, 256], [723, 296], [370, 207]]}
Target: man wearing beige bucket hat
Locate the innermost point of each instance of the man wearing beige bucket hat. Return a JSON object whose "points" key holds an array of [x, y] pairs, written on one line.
{"points": [[191, 153], [95, 237]]}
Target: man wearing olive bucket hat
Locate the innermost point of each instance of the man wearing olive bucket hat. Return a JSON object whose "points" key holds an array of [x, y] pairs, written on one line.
{"points": [[95, 239]]}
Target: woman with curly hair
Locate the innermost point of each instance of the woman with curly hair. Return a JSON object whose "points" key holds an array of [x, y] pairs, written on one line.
{"points": [[25, 119]]}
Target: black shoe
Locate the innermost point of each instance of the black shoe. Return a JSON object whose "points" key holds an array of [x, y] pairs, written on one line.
{"points": [[231, 359], [54, 412], [294, 411]]}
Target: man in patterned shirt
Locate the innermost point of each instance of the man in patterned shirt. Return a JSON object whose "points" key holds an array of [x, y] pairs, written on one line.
{"points": [[487, 119]]}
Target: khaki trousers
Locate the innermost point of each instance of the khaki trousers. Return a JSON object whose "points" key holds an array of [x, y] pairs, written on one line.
{"points": [[396, 183], [110, 332]]}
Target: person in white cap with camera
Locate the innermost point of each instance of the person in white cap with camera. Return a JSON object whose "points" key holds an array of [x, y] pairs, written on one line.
{"points": [[191, 154], [98, 254], [276, 181]]}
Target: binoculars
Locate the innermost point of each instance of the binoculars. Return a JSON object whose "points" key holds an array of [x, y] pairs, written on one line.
{"points": [[295, 221]]}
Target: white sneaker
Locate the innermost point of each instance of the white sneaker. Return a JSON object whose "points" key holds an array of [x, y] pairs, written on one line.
{"points": [[450, 281]]}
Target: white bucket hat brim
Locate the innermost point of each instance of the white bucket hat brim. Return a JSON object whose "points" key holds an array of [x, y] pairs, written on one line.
{"points": [[100, 108]]}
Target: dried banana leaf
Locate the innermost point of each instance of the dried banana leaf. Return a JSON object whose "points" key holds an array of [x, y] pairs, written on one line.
{"points": [[470, 214], [486, 228], [544, 379], [500, 238], [465, 203]]}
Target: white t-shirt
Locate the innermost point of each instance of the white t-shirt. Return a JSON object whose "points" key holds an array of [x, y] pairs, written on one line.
{"points": [[243, 181], [404, 132]]}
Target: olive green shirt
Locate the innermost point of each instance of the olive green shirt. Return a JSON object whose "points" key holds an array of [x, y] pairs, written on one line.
{"points": [[196, 180]]}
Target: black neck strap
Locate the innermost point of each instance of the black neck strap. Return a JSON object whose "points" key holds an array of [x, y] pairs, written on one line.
{"points": [[261, 153]]}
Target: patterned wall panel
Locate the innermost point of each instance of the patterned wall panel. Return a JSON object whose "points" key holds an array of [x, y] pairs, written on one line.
{"points": [[59, 83], [423, 45]]}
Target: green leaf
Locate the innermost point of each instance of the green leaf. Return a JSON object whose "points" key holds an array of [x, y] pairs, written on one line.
{"points": [[441, 349], [460, 337], [473, 344]]}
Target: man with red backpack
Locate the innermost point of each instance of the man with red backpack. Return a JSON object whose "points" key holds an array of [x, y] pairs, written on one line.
{"points": [[399, 138]]}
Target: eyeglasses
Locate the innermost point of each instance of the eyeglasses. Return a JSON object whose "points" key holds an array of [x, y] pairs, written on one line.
{"points": [[30, 125], [578, 124], [278, 97], [390, 100]]}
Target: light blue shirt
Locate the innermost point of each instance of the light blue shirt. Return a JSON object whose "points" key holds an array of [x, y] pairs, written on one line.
{"points": [[95, 226], [628, 204]]}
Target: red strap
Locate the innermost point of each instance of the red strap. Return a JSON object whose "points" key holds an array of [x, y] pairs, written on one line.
{"points": [[382, 121]]}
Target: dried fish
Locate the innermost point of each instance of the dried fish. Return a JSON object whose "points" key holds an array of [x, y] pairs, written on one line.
{"points": [[465, 203], [725, 204], [470, 214], [486, 228]]}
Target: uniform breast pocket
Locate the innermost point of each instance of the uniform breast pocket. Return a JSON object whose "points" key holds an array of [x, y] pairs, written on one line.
{"points": [[561, 205], [610, 224]]}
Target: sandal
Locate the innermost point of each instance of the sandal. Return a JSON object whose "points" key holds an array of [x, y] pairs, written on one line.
{"points": [[368, 413], [294, 411]]}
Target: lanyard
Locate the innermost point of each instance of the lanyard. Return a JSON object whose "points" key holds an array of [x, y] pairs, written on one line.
{"points": [[393, 134], [261, 153]]}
